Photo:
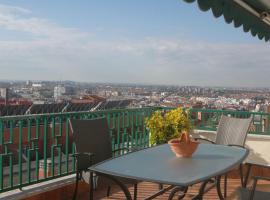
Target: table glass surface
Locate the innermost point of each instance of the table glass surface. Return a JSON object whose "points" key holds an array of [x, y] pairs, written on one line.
{"points": [[159, 164]]}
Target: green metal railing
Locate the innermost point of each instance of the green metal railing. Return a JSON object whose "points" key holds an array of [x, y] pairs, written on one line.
{"points": [[205, 119], [36, 148]]}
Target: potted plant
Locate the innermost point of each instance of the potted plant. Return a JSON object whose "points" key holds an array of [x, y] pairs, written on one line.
{"points": [[173, 127]]}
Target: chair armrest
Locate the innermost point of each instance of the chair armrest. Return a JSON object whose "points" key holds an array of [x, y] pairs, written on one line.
{"points": [[130, 149], [125, 148], [77, 155], [136, 148], [204, 139], [120, 149], [261, 178], [236, 145], [239, 146], [254, 185], [81, 154]]}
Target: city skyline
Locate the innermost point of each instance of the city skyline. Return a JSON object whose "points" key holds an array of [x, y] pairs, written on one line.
{"points": [[153, 42]]}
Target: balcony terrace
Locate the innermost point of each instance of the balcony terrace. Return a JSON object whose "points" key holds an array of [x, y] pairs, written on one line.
{"points": [[36, 161], [144, 190]]}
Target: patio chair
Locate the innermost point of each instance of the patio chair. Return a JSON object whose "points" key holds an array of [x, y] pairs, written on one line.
{"points": [[93, 145], [233, 132], [253, 194]]}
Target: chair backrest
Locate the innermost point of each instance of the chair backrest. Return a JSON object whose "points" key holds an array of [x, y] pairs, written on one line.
{"points": [[91, 136], [232, 131]]}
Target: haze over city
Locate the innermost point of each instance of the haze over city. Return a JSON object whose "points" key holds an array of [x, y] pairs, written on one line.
{"points": [[149, 42]]}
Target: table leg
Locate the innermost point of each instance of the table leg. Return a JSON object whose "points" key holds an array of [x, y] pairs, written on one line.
{"points": [[119, 183], [219, 188], [160, 192], [201, 191], [178, 189]]}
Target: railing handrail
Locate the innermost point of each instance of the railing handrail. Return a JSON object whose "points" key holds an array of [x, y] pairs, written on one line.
{"points": [[230, 111], [15, 117]]}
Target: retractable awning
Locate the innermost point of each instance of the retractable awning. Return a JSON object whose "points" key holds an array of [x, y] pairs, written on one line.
{"points": [[252, 15]]}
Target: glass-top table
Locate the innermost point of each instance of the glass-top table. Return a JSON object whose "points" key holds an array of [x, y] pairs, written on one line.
{"points": [[159, 164]]}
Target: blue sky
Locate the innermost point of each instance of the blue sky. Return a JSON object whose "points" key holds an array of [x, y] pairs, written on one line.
{"points": [[114, 19], [153, 41]]}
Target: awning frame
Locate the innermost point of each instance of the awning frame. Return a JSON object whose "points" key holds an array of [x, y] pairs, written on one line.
{"points": [[264, 16], [253, 16]]}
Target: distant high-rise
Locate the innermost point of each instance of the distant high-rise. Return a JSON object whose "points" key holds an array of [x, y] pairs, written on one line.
{"points": [[58, 92], [28, 83], [4, 94]]}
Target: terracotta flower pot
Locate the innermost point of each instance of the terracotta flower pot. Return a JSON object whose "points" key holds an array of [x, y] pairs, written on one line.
{"points": [[183, 147]]}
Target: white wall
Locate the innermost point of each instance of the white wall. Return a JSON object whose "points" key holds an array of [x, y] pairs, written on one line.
{"points": [[259, 146]]}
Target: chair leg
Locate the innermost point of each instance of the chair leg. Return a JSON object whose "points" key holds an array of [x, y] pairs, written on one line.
{"points": [[108, 191], [76, 186], [247, 175], [252, 192], [95, 181], [91, 191], [135, 191], [241, 174]]}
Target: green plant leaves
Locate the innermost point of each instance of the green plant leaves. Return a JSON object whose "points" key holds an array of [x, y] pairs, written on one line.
{"points": [[166, 126]]}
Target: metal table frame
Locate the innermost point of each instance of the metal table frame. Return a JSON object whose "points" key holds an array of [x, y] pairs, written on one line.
{"points": [[173, 186]]}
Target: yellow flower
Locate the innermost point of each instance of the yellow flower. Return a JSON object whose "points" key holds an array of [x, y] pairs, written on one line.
{"points": [[165, 127]]}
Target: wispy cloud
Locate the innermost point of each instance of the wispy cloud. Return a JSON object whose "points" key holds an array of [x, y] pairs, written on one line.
{"points": [[57, 52], [19, 19], [13, 10]]}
